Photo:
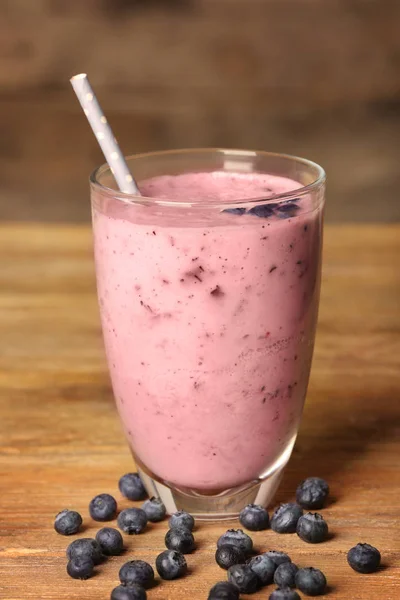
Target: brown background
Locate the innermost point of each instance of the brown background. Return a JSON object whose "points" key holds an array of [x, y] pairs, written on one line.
{"points": [[320, 78]]}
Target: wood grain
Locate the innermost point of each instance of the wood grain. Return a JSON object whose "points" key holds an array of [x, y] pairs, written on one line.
{"points": [[61, 442]]}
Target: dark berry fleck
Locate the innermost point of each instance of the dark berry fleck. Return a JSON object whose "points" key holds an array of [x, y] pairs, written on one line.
{"points": [[278, 557], [131, 486], [110, 541], [254, 517], [132, 520], [285, 575], [180, 539], [311, 581], [227, 556], [236, 537], [154, 509], [217, 292], [262, 210], [264, 567], [103, 507], [243, 578], [312, 528], [285, 518], [223, 590], [284, 594], [85, 548], [285, 210], [235, 211], [364, 558], [136, 571], [67, 522], [181, 519], [312, 493], [171, 564], [131, 592], [80, 567]]}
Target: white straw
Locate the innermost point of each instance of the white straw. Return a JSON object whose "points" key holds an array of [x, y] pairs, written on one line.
{"points": [[104, 134]]}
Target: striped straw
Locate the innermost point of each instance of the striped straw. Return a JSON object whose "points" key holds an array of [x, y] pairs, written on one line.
{"points": [[104, 134]]}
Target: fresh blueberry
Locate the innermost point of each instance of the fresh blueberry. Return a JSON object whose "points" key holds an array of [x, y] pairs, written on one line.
{"points": [[136, 571], [244, 578], [103, 508], [235, 211], [180, 539], [284, 594], [285, 574], [312, 493], [85, 548], [181, 519], [67, 522], [236, 537], [227, 556], [110, 541], [132, 592], [154, 509], [80, 567], [132, 520], [285, 517], [278, 557], [262, 210], [312, 528], [364, 558], [223, 590], [131, 486], [254, 517], [264, 567], [311, 581], [285, 210], [171, 564]]}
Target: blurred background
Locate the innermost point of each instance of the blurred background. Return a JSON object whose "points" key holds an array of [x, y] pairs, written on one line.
{"points": [[318, 78]]}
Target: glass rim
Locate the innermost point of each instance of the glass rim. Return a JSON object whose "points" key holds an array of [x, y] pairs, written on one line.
{"points": [[134, 199]]}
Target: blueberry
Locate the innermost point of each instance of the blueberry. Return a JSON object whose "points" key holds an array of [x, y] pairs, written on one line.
{"points": [[132, 592], [312, 528], [67, 522], [312, 493], [132, 520], [285, 574], [110, 541], [262, 210], [285, 210], [285, 517], [181, 519], [278, 557], [264, 567], [180, 539], [131, 486], [284, 594], [85, 548], [227, 556], [236, 537], [243, 578], [80, 567], [171, 564], [311, 581], [103, 508], [154, 509], [223, 590], [254, 517], [235, 211], [364, 558], [136, 571]]}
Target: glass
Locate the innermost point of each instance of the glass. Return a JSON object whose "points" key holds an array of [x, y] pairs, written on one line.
{"points": [[208, 312]]}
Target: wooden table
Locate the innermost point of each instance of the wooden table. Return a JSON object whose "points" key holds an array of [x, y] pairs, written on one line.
{"points": [[61, 441]]}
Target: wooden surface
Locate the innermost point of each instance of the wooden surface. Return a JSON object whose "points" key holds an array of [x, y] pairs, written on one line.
{"points": [[61, 442]]}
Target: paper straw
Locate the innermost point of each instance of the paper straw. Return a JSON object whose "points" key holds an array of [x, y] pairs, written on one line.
{"points": [[104, 134]]}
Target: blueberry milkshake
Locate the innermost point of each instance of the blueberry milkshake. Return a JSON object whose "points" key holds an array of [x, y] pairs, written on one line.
{"points": [[208, 320]]}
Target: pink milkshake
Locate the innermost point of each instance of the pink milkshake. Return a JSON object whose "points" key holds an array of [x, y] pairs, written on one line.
{"points": [[209, 312]]}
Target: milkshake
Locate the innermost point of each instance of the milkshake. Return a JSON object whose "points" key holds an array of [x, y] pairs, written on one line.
{"points": [[208, 297]]}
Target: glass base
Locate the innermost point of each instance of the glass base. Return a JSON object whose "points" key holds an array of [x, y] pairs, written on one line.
{"points": [[222, 506]]}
